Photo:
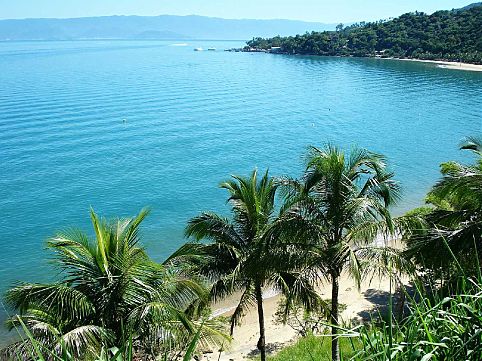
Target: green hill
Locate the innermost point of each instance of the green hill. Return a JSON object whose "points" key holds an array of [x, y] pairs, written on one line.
{"points": [[454, 35]]}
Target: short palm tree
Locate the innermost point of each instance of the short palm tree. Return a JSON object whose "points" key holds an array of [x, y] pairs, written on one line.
{"points": [[241, 255], [339, 206], [110, 291], [453, 220]]}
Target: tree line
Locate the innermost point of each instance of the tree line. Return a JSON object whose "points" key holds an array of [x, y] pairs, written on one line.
{"points": [[111, 301], [454, 35]]}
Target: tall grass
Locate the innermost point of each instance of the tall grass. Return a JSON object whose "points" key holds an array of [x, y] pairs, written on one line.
{"points": [[438, 328], [313, 348], [447, 328]]}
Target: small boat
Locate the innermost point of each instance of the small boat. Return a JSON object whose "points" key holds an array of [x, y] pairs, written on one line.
{"points": [[211, 49], [198, 49]]}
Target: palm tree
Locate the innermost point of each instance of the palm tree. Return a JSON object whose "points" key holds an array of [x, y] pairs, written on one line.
{"points": [[241, 254], [339, 207], [110, 291], [454, 220]]}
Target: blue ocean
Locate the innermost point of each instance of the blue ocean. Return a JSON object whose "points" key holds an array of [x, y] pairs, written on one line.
{"points": [[120, 125]]}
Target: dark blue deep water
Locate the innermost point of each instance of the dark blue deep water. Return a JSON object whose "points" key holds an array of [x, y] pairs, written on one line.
{"points": [[120, 125]]}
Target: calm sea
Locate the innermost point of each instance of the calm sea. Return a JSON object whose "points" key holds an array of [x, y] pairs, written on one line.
{"points": [[119, 125]]}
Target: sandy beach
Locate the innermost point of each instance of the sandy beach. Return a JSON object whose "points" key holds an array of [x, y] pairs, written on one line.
{"points": [[445, 64], [358, 302]]}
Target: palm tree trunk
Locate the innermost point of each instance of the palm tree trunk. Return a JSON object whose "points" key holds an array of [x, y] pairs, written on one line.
{"points": [[401, 300], [335, 350], [261, 342]]}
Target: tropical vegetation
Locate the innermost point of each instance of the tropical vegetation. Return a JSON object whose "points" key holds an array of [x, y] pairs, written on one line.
{"points": [[314, 347], [454, 35], [454, 221], [110, 293], [436, 328], [335, 212], [241, 255], [112, 302]]}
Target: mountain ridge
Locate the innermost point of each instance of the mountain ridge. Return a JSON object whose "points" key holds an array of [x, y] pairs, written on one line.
{"points": [[159, 27]]}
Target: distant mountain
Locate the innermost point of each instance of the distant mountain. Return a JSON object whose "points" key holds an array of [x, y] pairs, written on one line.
{"points": [[151, 27]]}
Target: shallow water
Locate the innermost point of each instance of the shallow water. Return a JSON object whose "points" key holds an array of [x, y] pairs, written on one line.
{"points": [[118, 125]]}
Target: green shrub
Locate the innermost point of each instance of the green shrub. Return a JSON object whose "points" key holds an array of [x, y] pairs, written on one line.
{"points": [[316, 348], [448, 328]]}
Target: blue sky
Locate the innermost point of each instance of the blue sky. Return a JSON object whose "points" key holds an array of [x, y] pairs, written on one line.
{"points": [[328, 11]]}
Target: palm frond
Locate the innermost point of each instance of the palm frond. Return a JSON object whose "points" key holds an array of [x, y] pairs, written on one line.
{"points": [[83, 339], [247, 300], [69, 303]]}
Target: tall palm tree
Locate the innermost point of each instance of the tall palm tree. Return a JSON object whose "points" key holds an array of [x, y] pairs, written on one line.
{"points": [[454, 219], [109, 291], [241, 255], [339, 206]]}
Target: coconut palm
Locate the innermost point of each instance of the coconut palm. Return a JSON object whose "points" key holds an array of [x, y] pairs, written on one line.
{"points": [[339, 206], [454, 220], [241, 254], [109, 292]]}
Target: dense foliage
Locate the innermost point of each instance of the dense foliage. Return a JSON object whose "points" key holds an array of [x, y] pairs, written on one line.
{"points": [[110, 293], [438, 328], [453, 222], [454, 35]]}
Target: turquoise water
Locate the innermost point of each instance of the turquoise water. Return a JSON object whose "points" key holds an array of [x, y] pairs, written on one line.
{"points": [[119, 125]]}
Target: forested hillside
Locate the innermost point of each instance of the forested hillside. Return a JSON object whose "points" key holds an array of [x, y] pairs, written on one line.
{"points": [[454, 35]]}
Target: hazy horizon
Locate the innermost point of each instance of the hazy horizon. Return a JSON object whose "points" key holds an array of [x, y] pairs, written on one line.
{"points": [[174, 15], [346, 11]]}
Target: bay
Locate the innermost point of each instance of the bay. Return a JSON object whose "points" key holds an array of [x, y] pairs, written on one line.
{"points": [[119, 125]]}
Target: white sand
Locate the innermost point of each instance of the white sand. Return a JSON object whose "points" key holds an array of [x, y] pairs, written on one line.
{"points": [[445, 64], [246, 335]]}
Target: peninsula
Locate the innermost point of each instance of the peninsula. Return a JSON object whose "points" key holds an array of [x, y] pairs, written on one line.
{"points": [[446, 35]]}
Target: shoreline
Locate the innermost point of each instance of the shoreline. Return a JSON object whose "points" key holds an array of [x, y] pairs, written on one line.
{"points": [[359, 303], [454, 65], [443, 64]]}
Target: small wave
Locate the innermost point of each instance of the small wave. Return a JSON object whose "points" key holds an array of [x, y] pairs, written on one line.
{"points": [[179, 44], [221, 311], [268, 293]]}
